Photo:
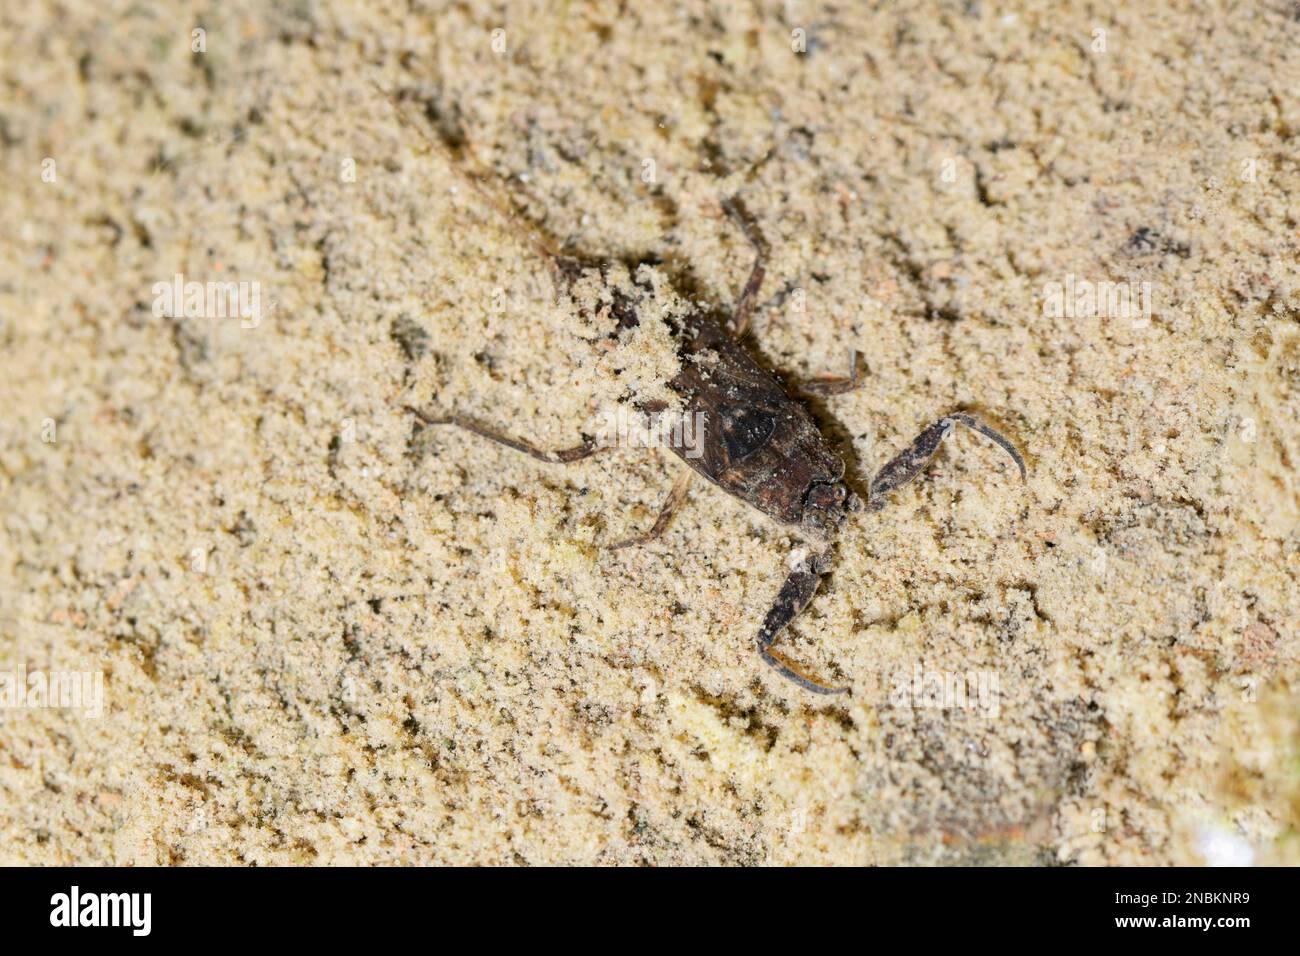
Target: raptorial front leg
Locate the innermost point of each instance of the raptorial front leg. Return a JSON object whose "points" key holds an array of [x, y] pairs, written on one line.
{"points": [[745, 304], [794, 596], [557, 457], [912, 460]]}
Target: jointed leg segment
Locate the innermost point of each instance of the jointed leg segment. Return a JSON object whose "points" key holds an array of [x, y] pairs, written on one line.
{"points": [[564, 456], [559, 456], [833, 385], [797, 591], [745, 304], [675, 498], [912, 460], [802, 582]]}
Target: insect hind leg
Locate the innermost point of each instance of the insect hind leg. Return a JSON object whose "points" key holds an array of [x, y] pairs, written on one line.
{"points": [[556, 457], [911, 461], [675, 498]]}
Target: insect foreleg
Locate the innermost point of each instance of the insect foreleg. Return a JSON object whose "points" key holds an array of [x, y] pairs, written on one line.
{"points": [[912, 460], [795, 594]]}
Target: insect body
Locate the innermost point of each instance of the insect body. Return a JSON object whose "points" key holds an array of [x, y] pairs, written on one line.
{"points": [[759, 443], [763, 447]]}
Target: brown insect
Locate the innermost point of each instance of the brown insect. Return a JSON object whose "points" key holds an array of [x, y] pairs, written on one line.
{"points": [[759, 444]]}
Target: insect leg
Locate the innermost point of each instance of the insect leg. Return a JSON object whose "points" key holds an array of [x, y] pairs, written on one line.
{"points": [[833, 385], [745, 304], [795, 594], [476, 181], [910, 462], [675, 498], [560, 456]]}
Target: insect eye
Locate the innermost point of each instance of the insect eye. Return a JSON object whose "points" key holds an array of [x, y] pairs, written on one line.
{"points": [[745, 430], [827, 497]]}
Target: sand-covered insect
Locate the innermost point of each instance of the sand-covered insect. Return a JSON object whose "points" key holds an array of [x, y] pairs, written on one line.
{"points": [[759, 444]]}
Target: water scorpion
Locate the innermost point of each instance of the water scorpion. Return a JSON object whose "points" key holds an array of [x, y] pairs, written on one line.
{"points": [[760, 444]]}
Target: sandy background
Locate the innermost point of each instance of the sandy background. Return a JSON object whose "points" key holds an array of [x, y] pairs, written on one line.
{"points": [[328, 635]]}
